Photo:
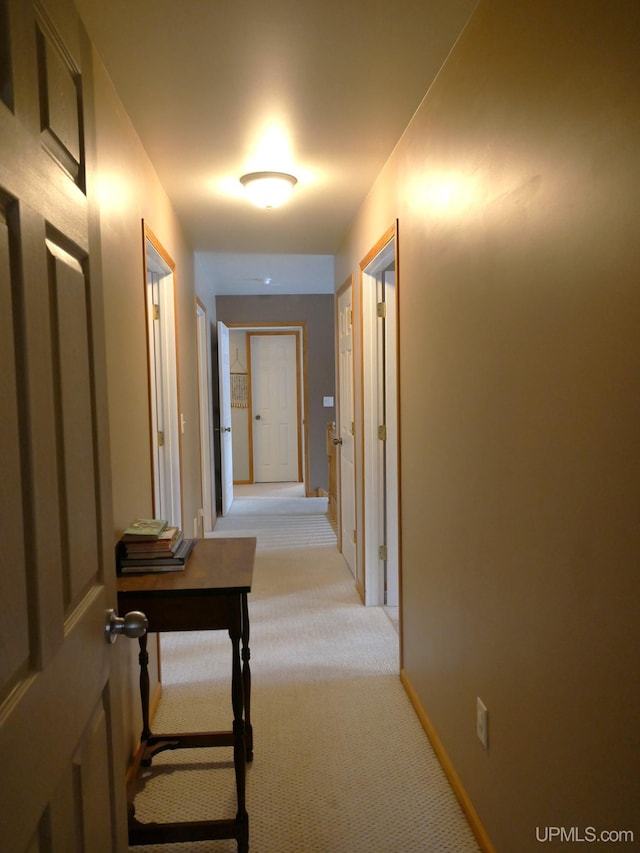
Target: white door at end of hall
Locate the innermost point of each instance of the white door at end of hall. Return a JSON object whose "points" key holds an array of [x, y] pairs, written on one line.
{"points": [[274, 398]]}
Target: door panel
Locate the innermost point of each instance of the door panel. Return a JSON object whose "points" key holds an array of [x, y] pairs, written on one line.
{"points": [[64, 781], [72, 383], [14, 626]]}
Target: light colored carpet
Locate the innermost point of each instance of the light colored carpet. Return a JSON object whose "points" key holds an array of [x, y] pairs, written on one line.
{"points": [[341, 762]]}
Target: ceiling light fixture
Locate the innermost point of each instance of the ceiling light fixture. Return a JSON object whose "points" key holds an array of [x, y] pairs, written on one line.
{"points": [[268, 189]]}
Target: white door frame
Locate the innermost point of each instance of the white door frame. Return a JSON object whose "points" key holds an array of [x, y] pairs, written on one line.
{"points": [[163, 382], [379, 457]]}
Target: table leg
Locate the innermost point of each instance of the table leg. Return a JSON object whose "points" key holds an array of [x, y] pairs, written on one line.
{"points": [[143, 659], [246, 678], [239, 746]]}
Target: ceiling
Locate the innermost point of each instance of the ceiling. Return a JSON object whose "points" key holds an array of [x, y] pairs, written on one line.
{"points": [[323, 90]]}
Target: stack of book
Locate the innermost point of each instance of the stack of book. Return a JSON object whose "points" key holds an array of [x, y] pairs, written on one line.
{"points": [[152, 545]]}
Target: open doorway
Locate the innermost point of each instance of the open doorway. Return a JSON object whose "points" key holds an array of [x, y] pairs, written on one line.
{"points": [[163, 381], [242, 405], [345, 440], [380, 423]]}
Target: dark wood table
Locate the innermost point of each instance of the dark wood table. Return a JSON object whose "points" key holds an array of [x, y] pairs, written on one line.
{"points": [[209, 595]]}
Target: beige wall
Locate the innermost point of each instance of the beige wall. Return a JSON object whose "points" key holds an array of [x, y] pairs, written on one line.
{"points": [[516, 188], [130, 193]]}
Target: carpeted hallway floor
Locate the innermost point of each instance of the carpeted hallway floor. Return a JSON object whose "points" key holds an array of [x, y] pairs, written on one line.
{"points": [[341, 762]]}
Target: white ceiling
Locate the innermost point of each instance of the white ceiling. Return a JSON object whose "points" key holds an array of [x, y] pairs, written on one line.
{"points": [[212, 85]]}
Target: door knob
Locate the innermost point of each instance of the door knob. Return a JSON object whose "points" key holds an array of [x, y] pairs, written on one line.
{"points": [[133, 625], [337, 441], [257, 417]]}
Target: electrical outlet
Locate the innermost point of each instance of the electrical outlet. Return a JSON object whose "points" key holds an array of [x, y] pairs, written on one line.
{"points": [[482, 722]]}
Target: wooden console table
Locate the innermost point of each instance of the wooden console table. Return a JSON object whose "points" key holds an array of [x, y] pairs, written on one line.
{"points": [[209, 595]]}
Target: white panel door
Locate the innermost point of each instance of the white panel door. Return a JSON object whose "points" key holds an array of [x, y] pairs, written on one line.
{"points": [[275, 408], [346, 416], [60, 717], [226, 446]]}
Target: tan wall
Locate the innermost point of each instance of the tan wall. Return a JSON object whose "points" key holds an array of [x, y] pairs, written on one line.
{"points": [[516, 190], [130, 192]]}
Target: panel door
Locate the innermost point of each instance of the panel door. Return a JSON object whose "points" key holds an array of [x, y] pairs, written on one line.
{"points": [[226, 438], [346, 417], [277, 452], [60, 742]]}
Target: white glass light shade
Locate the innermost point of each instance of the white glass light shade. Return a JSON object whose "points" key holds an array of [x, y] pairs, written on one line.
{"points": [[268, 189]]}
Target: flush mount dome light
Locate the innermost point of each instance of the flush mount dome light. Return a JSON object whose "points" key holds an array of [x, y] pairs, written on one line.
{"points": [[268, 189]]}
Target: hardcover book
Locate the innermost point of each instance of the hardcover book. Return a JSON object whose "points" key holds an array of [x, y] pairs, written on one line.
{"points": [[174, 563], [144, 529]]}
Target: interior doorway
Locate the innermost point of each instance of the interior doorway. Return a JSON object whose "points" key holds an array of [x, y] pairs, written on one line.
{"points": [[380, 423], [345, 428], [163, 382], [236, 407]]}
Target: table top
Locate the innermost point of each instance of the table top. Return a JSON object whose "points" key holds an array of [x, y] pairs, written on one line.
{"points": [[217, 566]]}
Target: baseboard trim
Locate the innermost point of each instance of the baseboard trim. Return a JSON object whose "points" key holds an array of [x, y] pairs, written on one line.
{"points": [[471, 814]]}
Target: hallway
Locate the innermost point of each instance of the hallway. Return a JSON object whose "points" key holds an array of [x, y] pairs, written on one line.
{"points": [[341, 761]]}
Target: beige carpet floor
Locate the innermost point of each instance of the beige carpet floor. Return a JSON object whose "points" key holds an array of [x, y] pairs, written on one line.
{"points": [[341, 762]]}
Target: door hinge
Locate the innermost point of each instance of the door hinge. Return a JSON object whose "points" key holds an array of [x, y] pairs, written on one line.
{"points": [[381, 309], [353, 427], [156, 311], [382, 432], [353, 536], [350, 316], [382, 552], [160, 438]]}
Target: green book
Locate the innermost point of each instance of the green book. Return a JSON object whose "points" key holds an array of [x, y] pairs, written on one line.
{"points": [[144, 530]]}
